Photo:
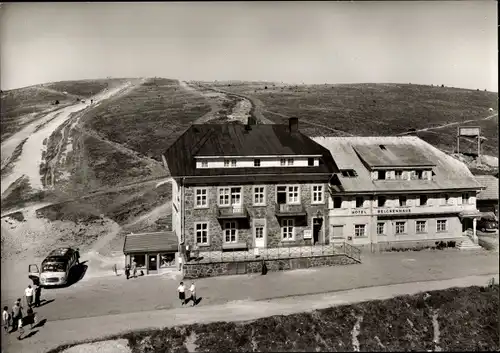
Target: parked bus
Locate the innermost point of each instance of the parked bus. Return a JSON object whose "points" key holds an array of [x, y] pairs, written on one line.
{"points": [[55, 268]]}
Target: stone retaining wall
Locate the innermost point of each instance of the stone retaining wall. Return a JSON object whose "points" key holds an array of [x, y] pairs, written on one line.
{"points": [[193, 270]]}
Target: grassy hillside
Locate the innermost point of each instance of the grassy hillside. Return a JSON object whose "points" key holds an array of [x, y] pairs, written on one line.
{"points": [[376, 109], [457, 319], [22, 106]]}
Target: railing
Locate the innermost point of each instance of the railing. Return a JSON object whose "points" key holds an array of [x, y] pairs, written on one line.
{"points": [[232, 211], [280, 252], [283, 208]]}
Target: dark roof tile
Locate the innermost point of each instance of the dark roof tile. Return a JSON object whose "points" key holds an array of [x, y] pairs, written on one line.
{"points": [[150, 242]]}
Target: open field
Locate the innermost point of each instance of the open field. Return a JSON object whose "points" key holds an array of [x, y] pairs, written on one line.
{"points": [[85, 88], [463, 319], [369, 109]]}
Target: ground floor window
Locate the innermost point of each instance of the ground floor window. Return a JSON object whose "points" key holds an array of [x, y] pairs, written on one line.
{"points": [[167, 260], [441, 225], [201, 233], [381, 228], [421, 226], [400, 227], [360, 230], [140, 260], [287, 226]]}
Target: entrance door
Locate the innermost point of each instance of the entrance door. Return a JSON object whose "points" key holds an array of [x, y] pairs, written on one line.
{"points": [[317, 224], [259, 231], [337, 232], [152, 265]]}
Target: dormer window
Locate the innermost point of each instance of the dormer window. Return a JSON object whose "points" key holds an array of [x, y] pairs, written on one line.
{"points": [[289, 161], [419, 174], [310, 162], [282, 162], [348, 173], [398, 174], [381, 174], [233, 163], [256, 162], [229, 163], [226, 163], [204, 164]]}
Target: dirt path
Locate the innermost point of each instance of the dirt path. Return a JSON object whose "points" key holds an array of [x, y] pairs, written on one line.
{"points": [[31, 156], [56, 333], [448, 125]]}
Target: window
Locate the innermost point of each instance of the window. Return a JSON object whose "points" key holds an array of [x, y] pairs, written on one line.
{"points": [[421, 226], [423, 200], [310, 162], [441, 225], [256, 162], [259, 232], [419, 174], [293, 194], [398, 174], [224, 196], [201, 198], [359, 201], [337, 202], [289, 161], [359, 230], [317, 194], [381, 201], [282, 162], [259, 195], [381, 174], [226, 163], [201, 233], [446, 199], [230, 232], [204, 164], [348, 173], [236, 196], [465, 198], [402, 201], [400, 227], [287, 229], [233, 163], [380, 228]]}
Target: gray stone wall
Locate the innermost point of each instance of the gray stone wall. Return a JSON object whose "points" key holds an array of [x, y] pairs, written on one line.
{"points": [[245, 231], [232, 268]]}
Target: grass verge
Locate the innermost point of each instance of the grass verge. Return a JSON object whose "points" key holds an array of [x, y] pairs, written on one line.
{"points": [[456, 319]]}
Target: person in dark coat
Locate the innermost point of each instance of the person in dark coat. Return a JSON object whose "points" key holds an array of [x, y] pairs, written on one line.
{"points": [[127, 271], [38, 295]]}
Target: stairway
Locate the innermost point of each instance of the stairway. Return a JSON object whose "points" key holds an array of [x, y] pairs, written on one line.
{"points": [[468, 244]]}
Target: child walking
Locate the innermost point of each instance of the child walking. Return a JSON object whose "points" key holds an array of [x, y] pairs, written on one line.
{"points": [[182, 293], [6, 318], [192, 289]]}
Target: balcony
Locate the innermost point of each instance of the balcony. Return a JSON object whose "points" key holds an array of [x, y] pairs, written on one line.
{"points": [[232, 212], [286, 210]]}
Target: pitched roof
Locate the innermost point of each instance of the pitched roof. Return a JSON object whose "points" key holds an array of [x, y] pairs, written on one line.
{"points": [[404, 154], [490, 182], [150, 242], [235, 140], [449, 173]]}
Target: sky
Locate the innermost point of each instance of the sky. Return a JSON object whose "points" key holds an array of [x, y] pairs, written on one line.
{"points": [[436, 42]]}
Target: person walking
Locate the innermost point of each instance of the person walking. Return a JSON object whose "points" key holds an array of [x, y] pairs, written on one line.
{"points": [[182, 293], [134, 268], [6, 317], [192, 289], [127, 271], [17, 314], [28, 292], [38, 295]]}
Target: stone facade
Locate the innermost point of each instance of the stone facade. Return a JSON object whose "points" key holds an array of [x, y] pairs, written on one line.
{"points": [[233, 268], [245, 227]]}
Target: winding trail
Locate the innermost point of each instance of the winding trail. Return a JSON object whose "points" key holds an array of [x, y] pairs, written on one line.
{"points": [[31, 157]]}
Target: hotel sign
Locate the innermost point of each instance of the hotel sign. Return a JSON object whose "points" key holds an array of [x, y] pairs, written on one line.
{"points": [[383, 211]]}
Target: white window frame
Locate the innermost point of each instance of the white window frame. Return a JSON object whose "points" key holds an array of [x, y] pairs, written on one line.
{"points": [[198, 196], [262, 193], [289, 162], [257, 227], [236, 193], [233, 163], [227, 163], [400, 172], [204, 164], [283, 162], [286, 224], [440, 221], [228, 195], [382, 233], [256, 162], [446, 199], [230, 227], [290, 192], [465, 198], [396, 227], [417, 230], [196, 231], [360, 227], [320, 193]]}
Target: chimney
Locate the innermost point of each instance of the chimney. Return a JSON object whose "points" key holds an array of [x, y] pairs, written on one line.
{"points": [[293, 124]]}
